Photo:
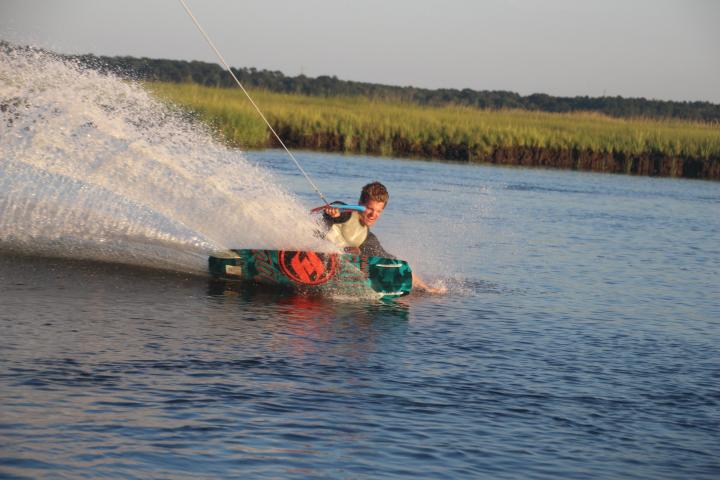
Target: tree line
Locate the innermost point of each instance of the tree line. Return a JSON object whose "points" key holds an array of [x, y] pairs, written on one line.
{"points": [[211, 74]]}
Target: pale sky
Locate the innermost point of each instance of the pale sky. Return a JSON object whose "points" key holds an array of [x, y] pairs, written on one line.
{"points": [[661, 49]]}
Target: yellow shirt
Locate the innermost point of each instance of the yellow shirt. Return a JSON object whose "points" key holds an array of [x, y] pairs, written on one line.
{"points": [[348, 234]]}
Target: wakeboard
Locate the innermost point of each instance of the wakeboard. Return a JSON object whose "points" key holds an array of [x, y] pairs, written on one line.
{"points": [[315, 272]]}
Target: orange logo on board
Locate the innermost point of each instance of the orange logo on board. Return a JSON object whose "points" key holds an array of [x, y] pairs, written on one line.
{"points": [[308, 268]]}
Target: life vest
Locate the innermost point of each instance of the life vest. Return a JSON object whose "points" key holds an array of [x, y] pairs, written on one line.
{"points": [[348, 234]]}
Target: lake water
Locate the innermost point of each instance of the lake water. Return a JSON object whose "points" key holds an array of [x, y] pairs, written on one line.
{"points": [[579, 338]]}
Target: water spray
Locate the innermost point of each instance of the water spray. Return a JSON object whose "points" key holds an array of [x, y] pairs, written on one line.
{"points": [[94, 167]]}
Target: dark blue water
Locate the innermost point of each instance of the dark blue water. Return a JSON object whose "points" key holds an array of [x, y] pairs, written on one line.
{"points": [[580, 338]]}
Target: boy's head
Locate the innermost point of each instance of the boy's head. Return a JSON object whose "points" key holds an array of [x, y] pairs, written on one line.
{"points": [[374, 196]]}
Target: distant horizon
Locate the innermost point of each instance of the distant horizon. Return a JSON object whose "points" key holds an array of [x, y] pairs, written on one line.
{"points": [[664, 50], [365, 82]]}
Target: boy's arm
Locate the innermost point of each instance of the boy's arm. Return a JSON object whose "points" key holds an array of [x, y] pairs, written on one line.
{"points": [[332, 216]]}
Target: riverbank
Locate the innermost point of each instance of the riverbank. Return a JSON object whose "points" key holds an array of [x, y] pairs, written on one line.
{"points": [[581, 141]]}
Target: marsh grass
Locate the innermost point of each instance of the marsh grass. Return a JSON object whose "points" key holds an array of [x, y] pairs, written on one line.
{"points": [[361, 125]]}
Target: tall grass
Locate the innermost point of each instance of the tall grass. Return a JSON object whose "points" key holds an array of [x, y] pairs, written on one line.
{"points": [[357, 124]]}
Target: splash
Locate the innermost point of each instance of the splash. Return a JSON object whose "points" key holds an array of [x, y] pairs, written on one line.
{"points": [[94, 167]]}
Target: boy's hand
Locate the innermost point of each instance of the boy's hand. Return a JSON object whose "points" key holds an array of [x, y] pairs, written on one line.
{"points": [[332, 212]]}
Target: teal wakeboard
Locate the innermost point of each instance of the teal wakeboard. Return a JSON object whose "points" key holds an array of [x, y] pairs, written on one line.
{"points": [[315, 272]]}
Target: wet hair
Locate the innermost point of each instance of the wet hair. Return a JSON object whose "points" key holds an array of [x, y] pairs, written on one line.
{"points": [[374, 191]]}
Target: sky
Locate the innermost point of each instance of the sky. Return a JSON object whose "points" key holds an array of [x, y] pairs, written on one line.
{"points": [[659, 49]]}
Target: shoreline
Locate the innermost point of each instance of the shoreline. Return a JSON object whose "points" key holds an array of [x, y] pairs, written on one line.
{"points": [[574, 141], [651, 164]]}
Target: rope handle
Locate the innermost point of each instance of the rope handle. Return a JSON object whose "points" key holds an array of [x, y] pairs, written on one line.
{"points": [[346, 208]]}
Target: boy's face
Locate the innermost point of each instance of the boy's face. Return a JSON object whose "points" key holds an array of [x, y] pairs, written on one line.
{"points": [[373, 210]]}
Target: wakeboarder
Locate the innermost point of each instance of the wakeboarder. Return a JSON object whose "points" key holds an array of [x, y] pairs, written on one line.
{"points": [[350, 230]]}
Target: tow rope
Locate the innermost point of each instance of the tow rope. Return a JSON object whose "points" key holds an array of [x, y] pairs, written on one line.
{"points": [[227, 67]]}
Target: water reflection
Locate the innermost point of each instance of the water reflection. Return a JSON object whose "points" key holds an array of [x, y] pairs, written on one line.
{"points": [[302, 325], [307, 307]]}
